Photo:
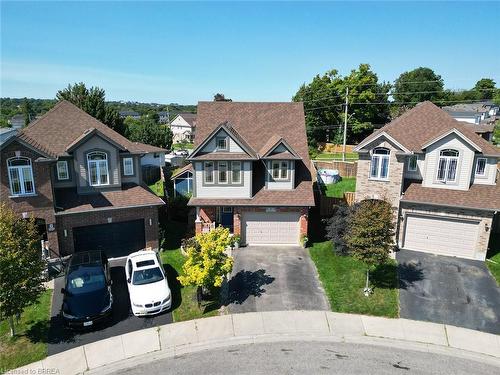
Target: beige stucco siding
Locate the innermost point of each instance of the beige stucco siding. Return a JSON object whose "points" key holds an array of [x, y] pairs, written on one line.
{"points": [[464, 168]]}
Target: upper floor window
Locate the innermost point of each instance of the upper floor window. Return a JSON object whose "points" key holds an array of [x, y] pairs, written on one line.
{"points": [[447, 165], [62, 170], [279, 169], [128, 167], [236, 172], [412, 163], [380, 163], [20, 176], [481, 167], [221, 143], [209, 172], [98, 168], [222, 171]]}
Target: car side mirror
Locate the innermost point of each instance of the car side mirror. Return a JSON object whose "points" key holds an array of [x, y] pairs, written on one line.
{"points": [[128, 280], [63, 291]]}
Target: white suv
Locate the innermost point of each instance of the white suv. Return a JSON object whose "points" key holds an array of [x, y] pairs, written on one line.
{"points": [[147, 283]]}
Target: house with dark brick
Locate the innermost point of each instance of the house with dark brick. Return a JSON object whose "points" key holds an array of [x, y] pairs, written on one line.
{"points": [[251, 171], [82, 183], [441, 179]]}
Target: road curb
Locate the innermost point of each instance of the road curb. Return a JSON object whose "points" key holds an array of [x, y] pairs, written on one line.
{"points": [[252, 328]]}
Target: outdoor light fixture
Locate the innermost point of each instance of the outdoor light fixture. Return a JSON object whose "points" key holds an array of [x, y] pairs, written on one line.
{"points": [[150, 222]]}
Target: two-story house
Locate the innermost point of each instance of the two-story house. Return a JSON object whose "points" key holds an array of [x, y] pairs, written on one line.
{"points": [[81, 181], [439, 176], [251, 171], [183, 126]]}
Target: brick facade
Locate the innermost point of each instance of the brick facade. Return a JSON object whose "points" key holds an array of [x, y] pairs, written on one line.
{"points": [[39, 206], [69, 221], [485, 219], [391, 189]]}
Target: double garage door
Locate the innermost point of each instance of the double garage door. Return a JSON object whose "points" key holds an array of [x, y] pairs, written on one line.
{"points": [[441, 235], [116, 239], [268, 228]]}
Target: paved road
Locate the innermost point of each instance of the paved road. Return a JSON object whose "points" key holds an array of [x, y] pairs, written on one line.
{"points": [[122, 320], [267, 278], [448, 290], [311, 358]]}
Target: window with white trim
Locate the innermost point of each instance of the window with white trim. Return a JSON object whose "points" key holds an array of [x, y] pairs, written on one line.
{"points": [[481, 167], [222, 172], [62, 170], [236, 172], [97, 162], [379, 168], [209, 172], [20, 176], [447, 166], [280, 169], [221, 143], [128, 166], [412, 163]]}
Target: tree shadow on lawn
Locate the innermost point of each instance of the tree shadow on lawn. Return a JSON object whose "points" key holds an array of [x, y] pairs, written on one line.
{"points": [[174, 284], [247, 283], [396, 276]]}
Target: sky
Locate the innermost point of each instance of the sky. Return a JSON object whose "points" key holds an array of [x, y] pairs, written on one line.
{"points": [[183, 52]]}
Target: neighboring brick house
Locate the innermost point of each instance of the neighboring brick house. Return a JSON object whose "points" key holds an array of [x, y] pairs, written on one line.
{"points": [[251, 171], [82, 183], [439, 176]]}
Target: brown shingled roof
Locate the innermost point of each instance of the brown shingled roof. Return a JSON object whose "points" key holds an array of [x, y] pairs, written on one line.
{"points": [[64, 124], [485, 197], [426, 122]]}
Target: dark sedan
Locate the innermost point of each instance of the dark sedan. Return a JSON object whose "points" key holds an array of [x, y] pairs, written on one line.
{"points": [[87, 293]]}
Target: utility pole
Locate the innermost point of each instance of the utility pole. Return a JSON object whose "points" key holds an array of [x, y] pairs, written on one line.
{"points": [[345, 122]]}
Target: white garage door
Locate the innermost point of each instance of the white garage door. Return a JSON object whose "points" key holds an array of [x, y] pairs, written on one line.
{"points": [[270, 228], [444, 236]]}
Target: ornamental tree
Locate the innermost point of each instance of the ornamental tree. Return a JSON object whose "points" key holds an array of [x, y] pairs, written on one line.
{"points": [[370, 234], [207, 264], [21, 265]]}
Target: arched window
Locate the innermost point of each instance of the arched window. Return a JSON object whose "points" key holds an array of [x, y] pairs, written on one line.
{"points": [[20, 176], [447, 165], [97, 162], [380, 163]]}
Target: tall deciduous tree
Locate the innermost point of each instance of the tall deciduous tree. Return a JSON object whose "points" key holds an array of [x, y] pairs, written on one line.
{"points": [[92, 101], [146, 130], [21, 265], [324, 99], [28, 112], [417, 86], [370, 232], [485, 88]]}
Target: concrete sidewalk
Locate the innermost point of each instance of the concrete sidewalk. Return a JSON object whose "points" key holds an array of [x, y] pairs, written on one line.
{"points": [[174, 339]]}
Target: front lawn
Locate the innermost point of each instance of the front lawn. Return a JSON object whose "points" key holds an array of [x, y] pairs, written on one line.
{"points": [[182, 146], [337, 190], [185, 305], [344, 277], [337, 156], [30, 343], [493, 257]]}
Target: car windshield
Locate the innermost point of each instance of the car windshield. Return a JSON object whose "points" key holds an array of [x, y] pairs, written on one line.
{"points": [[85, 279], [147, 276]]}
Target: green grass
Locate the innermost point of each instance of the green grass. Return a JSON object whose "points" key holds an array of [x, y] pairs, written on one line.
{"points": [[493, 257], [182, 146], [343, 279], [337, 190], [30, 343], [337, 156], [185, 305], [158, 188]]}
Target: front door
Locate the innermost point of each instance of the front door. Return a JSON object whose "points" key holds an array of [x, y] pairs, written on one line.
{"points": [[226, 217]]}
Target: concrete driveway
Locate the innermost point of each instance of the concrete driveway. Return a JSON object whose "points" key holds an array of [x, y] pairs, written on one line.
{"points": [[449, 290], [122, 320], [272, 278]]}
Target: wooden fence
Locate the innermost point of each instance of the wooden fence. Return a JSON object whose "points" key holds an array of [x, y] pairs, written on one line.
{"points": [[334, 148], [327, 204], [345, 168]]}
